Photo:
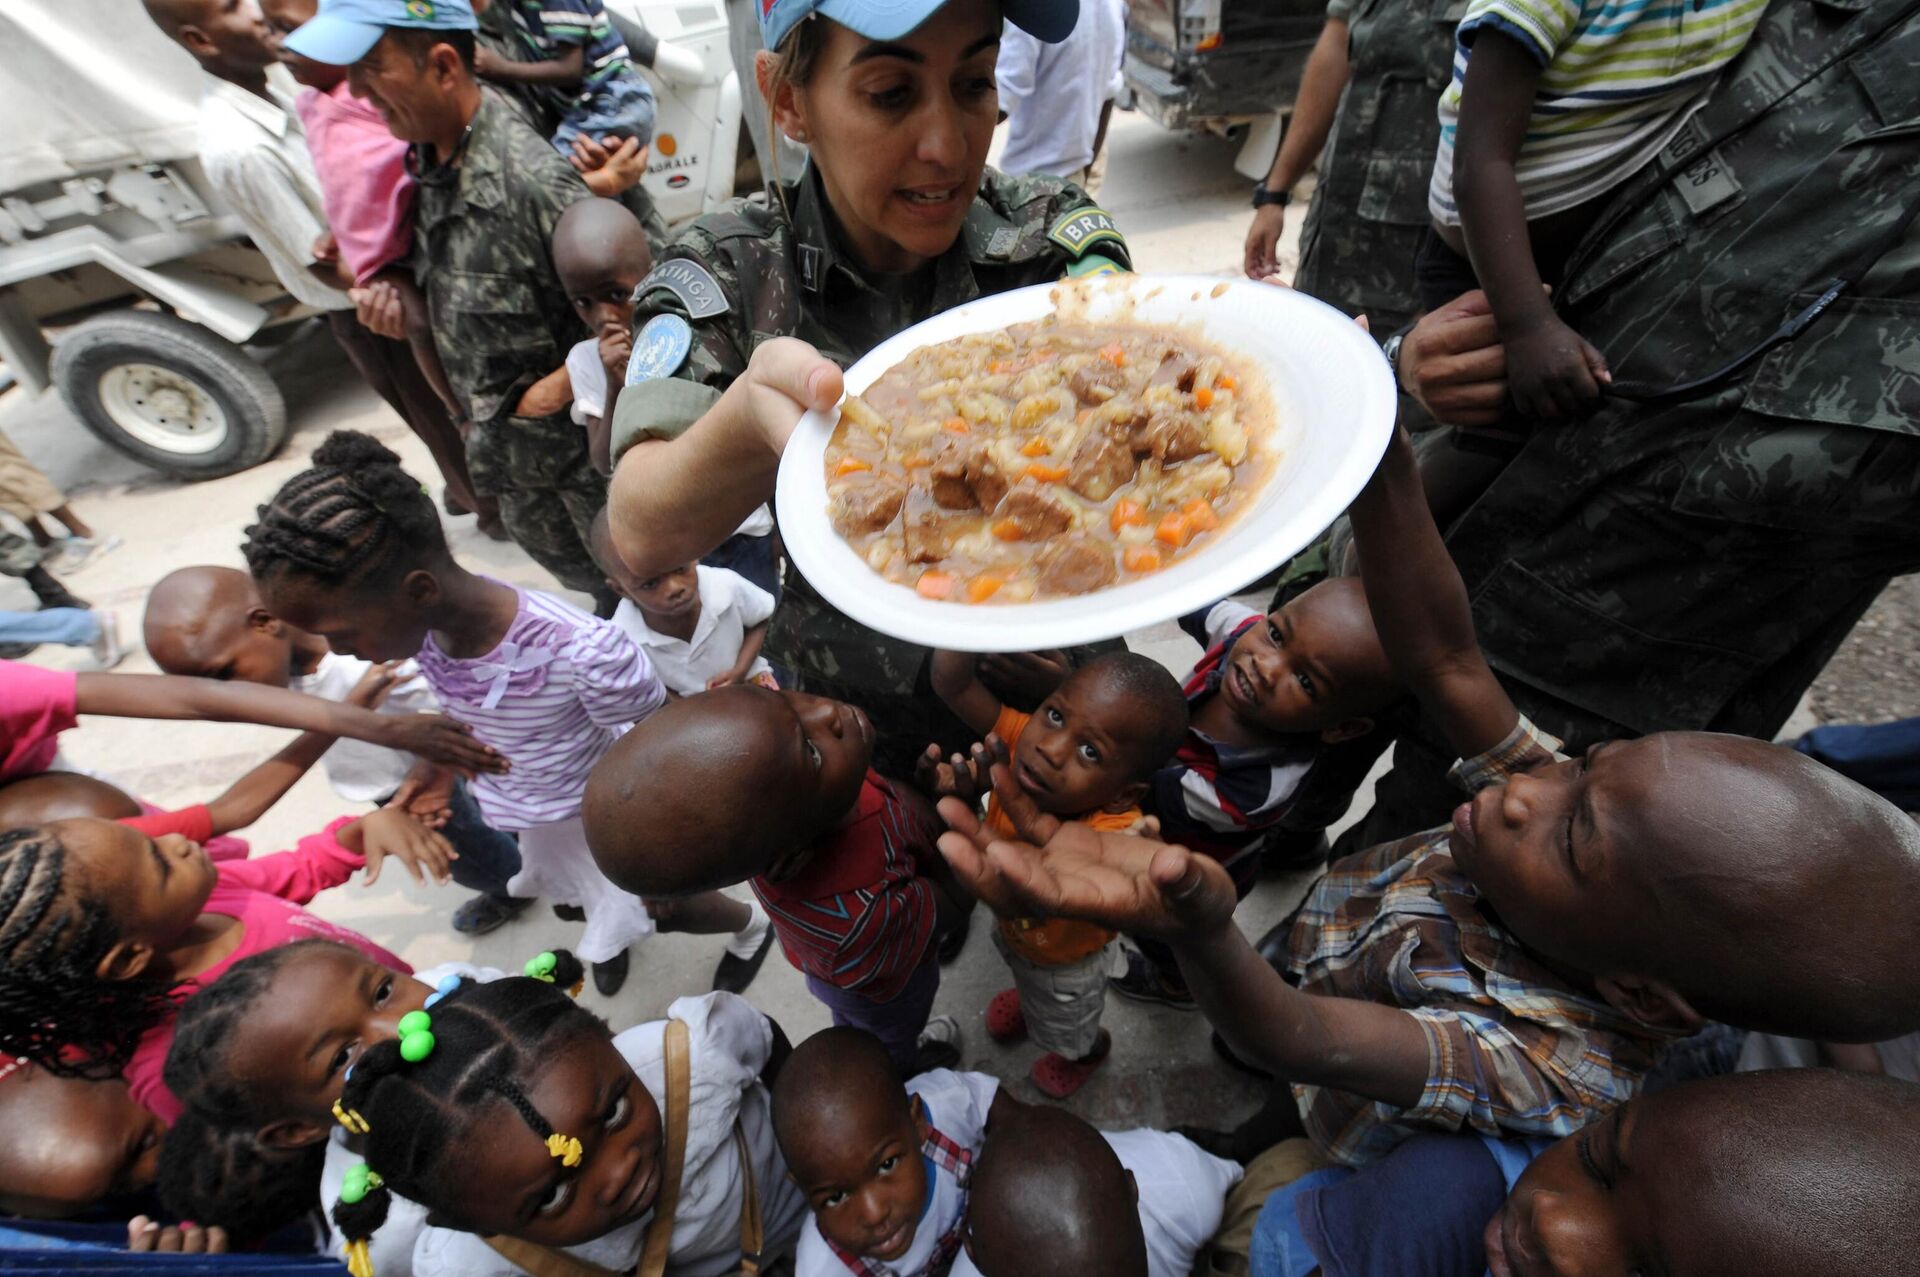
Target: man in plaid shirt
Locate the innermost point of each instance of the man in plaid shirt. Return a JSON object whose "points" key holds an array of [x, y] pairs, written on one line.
{"points": [[1519, 971]]}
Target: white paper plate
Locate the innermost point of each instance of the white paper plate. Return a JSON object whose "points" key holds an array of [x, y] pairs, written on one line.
{"points": [[1335, 404]]}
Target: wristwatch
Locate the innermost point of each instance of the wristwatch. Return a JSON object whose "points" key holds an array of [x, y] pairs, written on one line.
{"points": [[1391, 349], [1263, 197]]}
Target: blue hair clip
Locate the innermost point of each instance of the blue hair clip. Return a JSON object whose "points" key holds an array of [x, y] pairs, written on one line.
{"points": [[447, 985]]}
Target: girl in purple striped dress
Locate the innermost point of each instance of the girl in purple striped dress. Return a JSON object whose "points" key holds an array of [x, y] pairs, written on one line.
{"points": [[352, 550]]}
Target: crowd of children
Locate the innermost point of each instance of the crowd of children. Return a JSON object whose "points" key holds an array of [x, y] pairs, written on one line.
{"points": [[1492, 1046], [1466, 1029]]}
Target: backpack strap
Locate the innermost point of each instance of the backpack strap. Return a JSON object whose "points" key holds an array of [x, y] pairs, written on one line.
{"points": [[544, 1261], [653, 1259], [752, 1232]]}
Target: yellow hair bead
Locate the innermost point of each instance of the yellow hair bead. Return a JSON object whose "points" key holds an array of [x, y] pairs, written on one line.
{"points": [[359, 1262], [566, 1148], [349, 1118]]}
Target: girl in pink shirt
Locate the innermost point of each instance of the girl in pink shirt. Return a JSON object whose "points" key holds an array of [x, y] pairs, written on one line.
{"points": [[102, 929]]}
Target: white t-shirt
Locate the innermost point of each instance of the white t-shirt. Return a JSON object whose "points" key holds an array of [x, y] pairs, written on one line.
{"points": [[589, 377], [1183, 1193], [957, 1105], [729, 1043], [360, 772], [1053, 93], [254, 152], [391, 1246], [730, 605]]}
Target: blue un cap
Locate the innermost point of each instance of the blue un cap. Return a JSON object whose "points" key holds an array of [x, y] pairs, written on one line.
{"points": [[344, 31], [1050, 21]]}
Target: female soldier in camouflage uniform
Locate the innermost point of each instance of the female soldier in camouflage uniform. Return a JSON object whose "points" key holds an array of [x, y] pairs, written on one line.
{"points": [[897, 218]]}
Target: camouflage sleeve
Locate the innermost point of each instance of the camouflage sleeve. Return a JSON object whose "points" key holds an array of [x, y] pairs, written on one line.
{"points": [[687, 347], [551, 187], [1085, 236]]}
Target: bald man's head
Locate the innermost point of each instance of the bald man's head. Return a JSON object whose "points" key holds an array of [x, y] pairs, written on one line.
{"points": [[71, 1142], [1049, 1196], [209, 622], [230, 41]]}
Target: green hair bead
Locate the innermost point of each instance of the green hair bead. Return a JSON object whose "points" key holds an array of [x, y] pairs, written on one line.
{"points": [[416, 1036], [541, 966], [359, 1180]]}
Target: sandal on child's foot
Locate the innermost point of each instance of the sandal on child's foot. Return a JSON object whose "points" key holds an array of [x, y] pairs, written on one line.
{"points": [[1006, 1022], [610, 975], [1059, 1077]]}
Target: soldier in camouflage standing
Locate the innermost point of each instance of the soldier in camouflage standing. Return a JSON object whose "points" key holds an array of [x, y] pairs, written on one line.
{"points": [[1369, 97], [490, 192], [1690, 556], [896, 219]]}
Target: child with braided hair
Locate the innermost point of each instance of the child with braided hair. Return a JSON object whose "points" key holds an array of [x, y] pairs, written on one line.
{"points": [[569, 1121], [352, 550], [259, 1058], [103, 928]]}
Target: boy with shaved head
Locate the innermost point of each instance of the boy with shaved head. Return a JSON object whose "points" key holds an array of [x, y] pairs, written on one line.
{"points": [[1520, 970], [1052, 1195], [777, 789], [209, 622]]}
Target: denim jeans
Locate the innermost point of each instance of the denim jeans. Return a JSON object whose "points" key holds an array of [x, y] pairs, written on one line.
{"points": [[68, 625]]}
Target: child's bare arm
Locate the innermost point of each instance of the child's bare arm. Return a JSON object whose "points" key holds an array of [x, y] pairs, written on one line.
{"points": [[250, 797], [171, 697], [1134, 884], [750, 645], [1551, 370], [1420, 608], [565, 71], [956, 680]]}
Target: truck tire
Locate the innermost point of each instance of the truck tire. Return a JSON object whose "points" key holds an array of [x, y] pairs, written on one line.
{"points": [[169, 393]]}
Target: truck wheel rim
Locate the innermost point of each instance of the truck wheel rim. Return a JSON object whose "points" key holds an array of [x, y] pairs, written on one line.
{"points": [[163, 409]]}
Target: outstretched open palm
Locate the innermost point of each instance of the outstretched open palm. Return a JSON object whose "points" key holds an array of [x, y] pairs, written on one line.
{"points": [[1066, 869]]}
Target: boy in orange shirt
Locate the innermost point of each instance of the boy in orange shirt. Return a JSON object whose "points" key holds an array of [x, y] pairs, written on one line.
{"points": [[1086, 754]]}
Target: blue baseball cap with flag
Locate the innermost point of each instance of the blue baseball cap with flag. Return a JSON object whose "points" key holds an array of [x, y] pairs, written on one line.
{"points": [[1047, 20], [344, 31]]}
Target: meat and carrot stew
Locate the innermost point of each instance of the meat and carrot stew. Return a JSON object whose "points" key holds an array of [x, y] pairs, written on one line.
{"points": [[1044, 460]]}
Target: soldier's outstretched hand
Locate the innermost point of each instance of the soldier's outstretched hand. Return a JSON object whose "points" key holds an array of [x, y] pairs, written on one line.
{"points": [[785, 378]]}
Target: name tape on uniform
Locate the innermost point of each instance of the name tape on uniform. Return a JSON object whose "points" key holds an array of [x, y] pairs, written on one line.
{"points": [[659, 349], [1080, 230], [691, 282]]}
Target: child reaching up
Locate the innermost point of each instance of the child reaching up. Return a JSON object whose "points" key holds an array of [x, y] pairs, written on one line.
{"points": [[884, 1166], [1284, 721], [1087, 753], [1052, 1195], [352, 551], [210, 621], [701, 627], [36, 705], [1520, 970], [105, 927], [524, 1126], [1552, 106], [745, 784]]}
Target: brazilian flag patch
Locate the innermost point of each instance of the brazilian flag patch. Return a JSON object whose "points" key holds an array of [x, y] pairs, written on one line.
{"points": [[1080, 230]]}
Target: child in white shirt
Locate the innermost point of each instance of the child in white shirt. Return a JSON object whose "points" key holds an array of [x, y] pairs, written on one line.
{"points": [[885, 1167], [701, 626]]}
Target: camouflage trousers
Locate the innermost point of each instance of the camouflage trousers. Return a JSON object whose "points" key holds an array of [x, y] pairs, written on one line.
{"points": [[1692, 567], [548, 491]]}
